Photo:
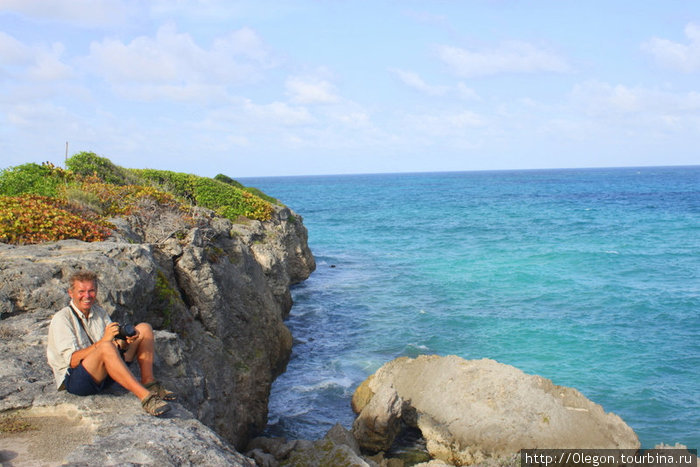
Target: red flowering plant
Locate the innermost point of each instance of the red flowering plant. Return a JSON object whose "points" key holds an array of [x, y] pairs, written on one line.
{"points": [[27, 219]]}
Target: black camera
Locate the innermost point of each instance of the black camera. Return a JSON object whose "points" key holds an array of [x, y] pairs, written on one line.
{"points": [[126, 330]]}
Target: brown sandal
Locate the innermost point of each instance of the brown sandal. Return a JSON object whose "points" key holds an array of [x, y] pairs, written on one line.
{"points": [[156, 388], [153, 405]]}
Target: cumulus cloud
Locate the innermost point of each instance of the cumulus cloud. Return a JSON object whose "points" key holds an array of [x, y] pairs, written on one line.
{"points": [[173, 60], [310, 91], [86, 13], [675, 55], [12, 51], [465, 92], [276, 113], [32, 63], [413, 80], [647, 109], [509, 57], [448, 124]]}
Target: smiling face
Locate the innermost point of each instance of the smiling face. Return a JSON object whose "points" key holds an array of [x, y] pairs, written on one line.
{"points": [[84, 294]]}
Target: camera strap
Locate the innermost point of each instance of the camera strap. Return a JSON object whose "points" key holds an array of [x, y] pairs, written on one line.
{"points": [[82, 325]]}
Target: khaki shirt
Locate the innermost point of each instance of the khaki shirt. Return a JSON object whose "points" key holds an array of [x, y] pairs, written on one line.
{"points": [[66, 336]]}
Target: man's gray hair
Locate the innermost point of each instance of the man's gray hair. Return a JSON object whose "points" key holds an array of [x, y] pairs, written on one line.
{"points": [[82, 276]]}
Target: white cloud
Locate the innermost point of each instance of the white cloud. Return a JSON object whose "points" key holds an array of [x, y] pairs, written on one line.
{"points": [[465, 92], [174, 62], [601, 98], [311, 91], [277, 113], [86, 13], [682, 57], [356, 119], [32, 63], [12, 51], [413, 80], [455, 125], [640, 111], [509, 57], [48, 65]]}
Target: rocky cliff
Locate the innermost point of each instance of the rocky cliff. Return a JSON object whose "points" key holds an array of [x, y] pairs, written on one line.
{"points": [[217, 294]]}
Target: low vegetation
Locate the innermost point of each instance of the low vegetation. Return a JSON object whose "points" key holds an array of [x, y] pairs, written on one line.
{"points": [[15, 424], [40, 203]]}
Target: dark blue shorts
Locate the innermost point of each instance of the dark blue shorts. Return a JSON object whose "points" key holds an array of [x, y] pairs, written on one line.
{"points": [[79, 382]]}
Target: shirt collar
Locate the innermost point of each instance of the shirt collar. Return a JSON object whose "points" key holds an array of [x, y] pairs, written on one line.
{"points": [[79, 312]]}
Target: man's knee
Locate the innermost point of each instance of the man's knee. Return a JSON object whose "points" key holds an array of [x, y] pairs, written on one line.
{"points": [[106, 349], [144, 329]]}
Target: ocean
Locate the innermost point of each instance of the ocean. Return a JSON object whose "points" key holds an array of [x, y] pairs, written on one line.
{"points": [[588, 277]]}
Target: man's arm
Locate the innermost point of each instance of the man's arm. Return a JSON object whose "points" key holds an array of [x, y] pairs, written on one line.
{"points": [[111, 330]]}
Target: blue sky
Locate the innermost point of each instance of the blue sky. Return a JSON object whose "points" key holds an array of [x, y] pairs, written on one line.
{"points": [[267, 88]]}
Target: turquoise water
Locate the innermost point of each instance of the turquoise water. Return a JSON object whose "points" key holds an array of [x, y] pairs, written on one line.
{"points": [[588, 277]]}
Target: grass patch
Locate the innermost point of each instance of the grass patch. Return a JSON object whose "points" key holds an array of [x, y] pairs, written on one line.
{"points": [[16, 424]]}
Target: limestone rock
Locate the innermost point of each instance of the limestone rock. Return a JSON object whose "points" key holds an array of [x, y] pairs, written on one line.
{"points": [[112, 429], [339, 435], [325, 452], [472, 410], [338, 447]]}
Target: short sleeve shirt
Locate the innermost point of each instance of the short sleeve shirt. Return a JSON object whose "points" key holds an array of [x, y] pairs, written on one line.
{"points": [[66, 335]]}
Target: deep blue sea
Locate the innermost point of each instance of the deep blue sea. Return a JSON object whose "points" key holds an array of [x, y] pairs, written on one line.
{"points": [[588, 277]]}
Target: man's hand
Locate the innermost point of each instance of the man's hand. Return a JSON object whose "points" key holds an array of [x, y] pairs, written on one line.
{"points": [[134, 338], [111, 331], [121, 344]]}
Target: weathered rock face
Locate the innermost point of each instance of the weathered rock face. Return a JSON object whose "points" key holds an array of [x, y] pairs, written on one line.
{"points": [[222, 289], [470, 410], [337, 448]]}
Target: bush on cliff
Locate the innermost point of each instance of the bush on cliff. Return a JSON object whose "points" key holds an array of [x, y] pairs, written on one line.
{"points": [[46, 203], [228, 180], [31, 178], [90, 164], [118, 200], [227, 200], [29, 219]]}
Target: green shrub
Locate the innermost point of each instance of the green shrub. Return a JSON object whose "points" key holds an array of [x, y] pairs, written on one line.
{"points": [[228, 180], [115, 200], [76, 196], [89, 163], [224, 199], [166, 298], [31, 178]]}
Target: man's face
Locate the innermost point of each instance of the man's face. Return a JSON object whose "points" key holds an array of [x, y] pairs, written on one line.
{"points": [[83, 294]]}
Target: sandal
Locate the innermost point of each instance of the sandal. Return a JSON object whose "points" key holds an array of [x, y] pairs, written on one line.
{"points": [[154, 406], [156, 388]]}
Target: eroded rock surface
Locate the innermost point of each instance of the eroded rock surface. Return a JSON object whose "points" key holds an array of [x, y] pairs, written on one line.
{"points": [[472, 410]]}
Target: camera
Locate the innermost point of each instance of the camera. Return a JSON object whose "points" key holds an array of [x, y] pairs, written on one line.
{"points": [[125, 330]]}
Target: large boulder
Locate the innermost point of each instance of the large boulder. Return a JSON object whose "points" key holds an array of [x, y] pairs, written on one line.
{"points": [[471, 410]]}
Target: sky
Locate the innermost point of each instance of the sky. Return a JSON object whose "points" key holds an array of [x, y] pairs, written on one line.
{"points": [[257, 88]]}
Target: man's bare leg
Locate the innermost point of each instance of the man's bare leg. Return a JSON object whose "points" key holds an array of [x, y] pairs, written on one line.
{"points": [[105, 361], [143, 349]]}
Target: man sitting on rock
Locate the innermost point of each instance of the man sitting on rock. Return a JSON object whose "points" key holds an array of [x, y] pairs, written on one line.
{"points": [[86, 354]]}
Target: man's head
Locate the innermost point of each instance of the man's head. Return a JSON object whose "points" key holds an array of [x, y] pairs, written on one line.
{"points": [[83, 290]]}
